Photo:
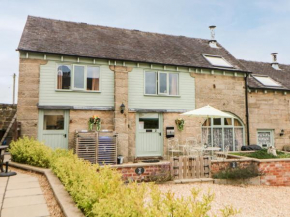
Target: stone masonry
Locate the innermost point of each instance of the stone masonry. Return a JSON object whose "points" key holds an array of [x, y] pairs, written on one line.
{"points": [[270, 111], [28, 95], [7, 112], [121, 120]]}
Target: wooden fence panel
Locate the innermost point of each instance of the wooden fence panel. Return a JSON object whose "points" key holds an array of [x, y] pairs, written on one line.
{"points": [[190, 167]]}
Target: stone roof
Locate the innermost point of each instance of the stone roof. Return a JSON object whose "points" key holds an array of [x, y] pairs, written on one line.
{"points": [[80, 39], [263, 68]]}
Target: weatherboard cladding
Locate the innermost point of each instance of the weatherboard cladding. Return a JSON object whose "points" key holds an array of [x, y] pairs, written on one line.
{"points": [[282, 76], [80, 39]]}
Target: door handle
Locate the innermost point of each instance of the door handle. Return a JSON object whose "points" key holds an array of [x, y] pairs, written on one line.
{"points": [[64, 135]]}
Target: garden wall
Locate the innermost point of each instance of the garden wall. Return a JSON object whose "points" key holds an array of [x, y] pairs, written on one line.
{"points": [[276, 172], [151, 170]]}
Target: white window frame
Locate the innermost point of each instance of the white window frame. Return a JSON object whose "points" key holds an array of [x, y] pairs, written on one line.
{"points": [[271, 131], [157, 73], [85, 75], [72, 88], [220, 66]]}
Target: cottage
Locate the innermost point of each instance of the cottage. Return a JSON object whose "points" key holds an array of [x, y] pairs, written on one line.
{"points": [[268, 102], [136, 82]]}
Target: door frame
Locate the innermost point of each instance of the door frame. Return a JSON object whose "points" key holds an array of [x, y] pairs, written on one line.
{"points": [[40, 124], [160, 117]]}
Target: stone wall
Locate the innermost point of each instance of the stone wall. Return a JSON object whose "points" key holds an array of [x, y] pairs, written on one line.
{"points": [[270, 111], [28, 95], [79, 121], [7, 112]]}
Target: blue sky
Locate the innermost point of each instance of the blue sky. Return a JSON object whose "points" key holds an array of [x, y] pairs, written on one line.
{"points": [[249, 29]]}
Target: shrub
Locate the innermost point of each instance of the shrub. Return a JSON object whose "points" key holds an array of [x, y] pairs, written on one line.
{"points": [[29, 151], [238, 173], [100, 191]]}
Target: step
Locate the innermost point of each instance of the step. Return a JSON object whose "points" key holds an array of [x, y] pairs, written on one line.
{"points": [[200, 180]]}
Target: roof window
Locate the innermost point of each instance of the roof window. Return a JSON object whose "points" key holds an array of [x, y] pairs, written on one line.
{"points": [[267, 81], [217, 61]]}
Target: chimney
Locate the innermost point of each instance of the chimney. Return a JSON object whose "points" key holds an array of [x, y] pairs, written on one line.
{"points": [[274, 63], [212, 41]]}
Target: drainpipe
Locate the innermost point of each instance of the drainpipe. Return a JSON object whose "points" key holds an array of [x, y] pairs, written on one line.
{"points": [[247, 109]]}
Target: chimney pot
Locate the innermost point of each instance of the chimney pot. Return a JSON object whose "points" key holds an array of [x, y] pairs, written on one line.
{"points": [[212, 41], [274, 63]]}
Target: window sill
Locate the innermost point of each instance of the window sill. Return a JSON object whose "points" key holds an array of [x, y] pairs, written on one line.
{"points": [[176, 96], [80, 91]]}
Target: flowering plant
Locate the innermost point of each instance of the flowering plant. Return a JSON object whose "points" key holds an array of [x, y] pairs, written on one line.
{"points": [[95, 120], [179, 123]]}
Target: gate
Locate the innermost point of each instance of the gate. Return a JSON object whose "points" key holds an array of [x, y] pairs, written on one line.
{"points": [[190, 167]]}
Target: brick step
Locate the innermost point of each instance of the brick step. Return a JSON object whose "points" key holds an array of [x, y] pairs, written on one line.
{"points": [[201, 180]]}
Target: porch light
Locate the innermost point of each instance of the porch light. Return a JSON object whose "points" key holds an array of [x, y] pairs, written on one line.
{"points": [[122, 108], [282, 132]]}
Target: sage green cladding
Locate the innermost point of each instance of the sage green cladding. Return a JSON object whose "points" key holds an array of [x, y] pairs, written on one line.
{"points": [[48, 95], [137, 99]]}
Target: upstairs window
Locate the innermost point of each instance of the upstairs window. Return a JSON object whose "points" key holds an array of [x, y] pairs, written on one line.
{"points": [[217, 61], [267, 81], [161, 83], [78, 77], [64, 77]]}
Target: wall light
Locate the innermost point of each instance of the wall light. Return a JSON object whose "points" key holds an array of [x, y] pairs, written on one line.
{"points": [[122, 107], [282, 132]]}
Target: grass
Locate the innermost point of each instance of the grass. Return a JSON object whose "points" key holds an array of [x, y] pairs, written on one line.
{"points": [[262, 154]]}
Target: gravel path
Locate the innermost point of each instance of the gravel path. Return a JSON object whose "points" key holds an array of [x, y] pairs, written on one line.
{"points": [[253, 201]]}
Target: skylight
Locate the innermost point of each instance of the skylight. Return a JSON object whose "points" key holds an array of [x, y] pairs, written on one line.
{"points": [[218, 61], [267, 81]]}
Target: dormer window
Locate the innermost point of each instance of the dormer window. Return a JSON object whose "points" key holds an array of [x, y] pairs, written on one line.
{"points": [[218, 61], [267, 81]]}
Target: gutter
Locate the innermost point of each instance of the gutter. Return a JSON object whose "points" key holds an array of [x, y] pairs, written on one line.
{"points": [[128, 60]]}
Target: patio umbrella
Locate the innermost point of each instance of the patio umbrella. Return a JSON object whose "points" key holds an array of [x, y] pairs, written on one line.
{"points": [[207, 112]]}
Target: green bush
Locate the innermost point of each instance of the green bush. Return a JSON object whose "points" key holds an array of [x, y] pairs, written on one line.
{"points": [[100, 191], [29, 151], [262, 154], [238, 173]]}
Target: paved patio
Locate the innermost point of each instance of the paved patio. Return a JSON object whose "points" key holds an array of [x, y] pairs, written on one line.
{"points": [[21, 195]]}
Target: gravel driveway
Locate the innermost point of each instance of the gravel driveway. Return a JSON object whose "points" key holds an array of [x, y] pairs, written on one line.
{"points": [[253, 201]]}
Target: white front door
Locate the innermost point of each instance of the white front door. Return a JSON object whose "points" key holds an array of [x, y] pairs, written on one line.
{"points": [[149, 134], [53, 128]]}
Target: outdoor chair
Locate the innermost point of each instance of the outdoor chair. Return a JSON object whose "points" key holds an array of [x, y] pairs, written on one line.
{"points": [[193, 146], [173, 147]]}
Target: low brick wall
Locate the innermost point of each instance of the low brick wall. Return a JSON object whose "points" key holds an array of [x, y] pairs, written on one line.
{"points": [[150, 170], [276, 172]]}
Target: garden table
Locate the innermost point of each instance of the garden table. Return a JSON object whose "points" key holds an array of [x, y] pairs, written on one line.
{"points": [[212, 150]]}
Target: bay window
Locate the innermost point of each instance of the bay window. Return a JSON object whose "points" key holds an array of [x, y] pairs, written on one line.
{"points": [[78, 77], [161, 83]]}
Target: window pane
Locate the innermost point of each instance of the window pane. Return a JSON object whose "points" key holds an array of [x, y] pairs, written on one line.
{"points": [[207, 122], [173, 84], [63, 77], [148, 121], [93, 78], [53, 122], [150, 82], [228, 121], [228, 138], [264, 139], [218, 61], [162, 83], [217, 121], [218, 137], [239, 138], [237, 123], [206, 136], [79, 77], [267, 81]]}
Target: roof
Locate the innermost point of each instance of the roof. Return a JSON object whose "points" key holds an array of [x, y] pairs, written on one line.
{"points": [[263, 68], [80, 39]]}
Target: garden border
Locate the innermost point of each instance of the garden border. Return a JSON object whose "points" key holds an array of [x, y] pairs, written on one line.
{"points": [[62, 197]]}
